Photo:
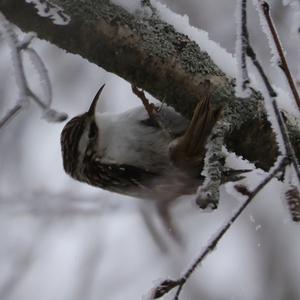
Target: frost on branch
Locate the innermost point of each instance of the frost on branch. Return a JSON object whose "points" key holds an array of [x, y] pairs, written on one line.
{"points": [[275, 58], [287, 160], [43, 75], [292, 193], [276, 46], [52, 11], [292, 168], [140, 8], [242, 78], [163, 288], [25, 93], [11, 39], [208, 193], [270, 99]]}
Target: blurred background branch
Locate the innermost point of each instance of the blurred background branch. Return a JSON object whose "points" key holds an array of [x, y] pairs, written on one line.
{"points": [[17, 49]]}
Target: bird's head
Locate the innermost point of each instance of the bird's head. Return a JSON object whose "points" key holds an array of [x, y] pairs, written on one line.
{"points": [[77, 136]]}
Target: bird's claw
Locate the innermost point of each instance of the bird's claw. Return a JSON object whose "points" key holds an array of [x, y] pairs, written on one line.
{"points": [[151, 108]]}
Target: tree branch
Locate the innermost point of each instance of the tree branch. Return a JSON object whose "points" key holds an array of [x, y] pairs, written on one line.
{"points": [[167, 285], [281, 62], [25, 92], [151, 54]]}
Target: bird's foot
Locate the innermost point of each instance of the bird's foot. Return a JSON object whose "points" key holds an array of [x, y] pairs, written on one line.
{"points": [[151, 108]]}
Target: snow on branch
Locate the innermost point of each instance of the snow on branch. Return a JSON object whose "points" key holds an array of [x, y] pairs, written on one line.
{"points": [[268, 26], [286, 161], [270, 99], [158, 45], [49, 10], [274, 114], [25, 92], [167, 285], [242, 78], [208, 193]]}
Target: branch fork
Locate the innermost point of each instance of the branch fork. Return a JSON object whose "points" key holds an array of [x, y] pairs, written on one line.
{"points": [[25, 91]]}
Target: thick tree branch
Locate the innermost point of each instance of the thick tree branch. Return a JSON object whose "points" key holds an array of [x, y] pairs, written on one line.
{"points": [[151, 54]]}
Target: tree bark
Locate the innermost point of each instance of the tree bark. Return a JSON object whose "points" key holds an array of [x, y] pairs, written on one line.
{"points": [[149, 53]]}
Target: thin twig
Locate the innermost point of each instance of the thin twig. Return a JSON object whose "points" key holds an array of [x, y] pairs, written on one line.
{"points": [[11, 38], [288, 148], [37, 100], [179, 283], [242, 81], [282, 63], [208, 194], [25, 92], [278, 120], [10, 115], [288, 159], [43, 74], [244, 33], [214, 242]]}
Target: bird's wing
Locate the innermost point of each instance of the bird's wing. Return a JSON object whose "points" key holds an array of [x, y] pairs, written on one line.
{"points": [[120, 175]]}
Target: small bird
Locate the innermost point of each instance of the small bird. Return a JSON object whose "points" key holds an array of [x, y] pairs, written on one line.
{"points": [[145, 152]]}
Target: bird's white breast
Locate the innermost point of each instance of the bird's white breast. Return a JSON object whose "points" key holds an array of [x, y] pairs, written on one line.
{"points": [[124, 139]]}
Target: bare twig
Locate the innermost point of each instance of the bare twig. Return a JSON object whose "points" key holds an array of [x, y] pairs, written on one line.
{"points": [[282, 63], [168, 285], [287, 146], [288, 158], [43, 74], [10, 115], [243, 81], [25, 92], [208, 193]]}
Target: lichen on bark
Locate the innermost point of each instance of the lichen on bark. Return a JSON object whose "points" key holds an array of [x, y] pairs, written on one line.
{"points": [[148, 52]]}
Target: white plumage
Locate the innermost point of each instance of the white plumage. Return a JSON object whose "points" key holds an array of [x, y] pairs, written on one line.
{"points": [[130, 138]]}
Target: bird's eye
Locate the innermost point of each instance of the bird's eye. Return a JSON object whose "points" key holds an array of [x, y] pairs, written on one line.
{"points": [[93, 130]]}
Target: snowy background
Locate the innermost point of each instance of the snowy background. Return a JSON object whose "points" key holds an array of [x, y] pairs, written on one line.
{"points": [[64, 240]]}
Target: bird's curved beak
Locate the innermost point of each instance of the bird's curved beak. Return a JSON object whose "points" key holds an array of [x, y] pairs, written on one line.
{"points": [[93, 105]]}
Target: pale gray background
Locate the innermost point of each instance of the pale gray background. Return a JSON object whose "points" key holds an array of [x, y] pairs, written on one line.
{"points": [[63, 240]]}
